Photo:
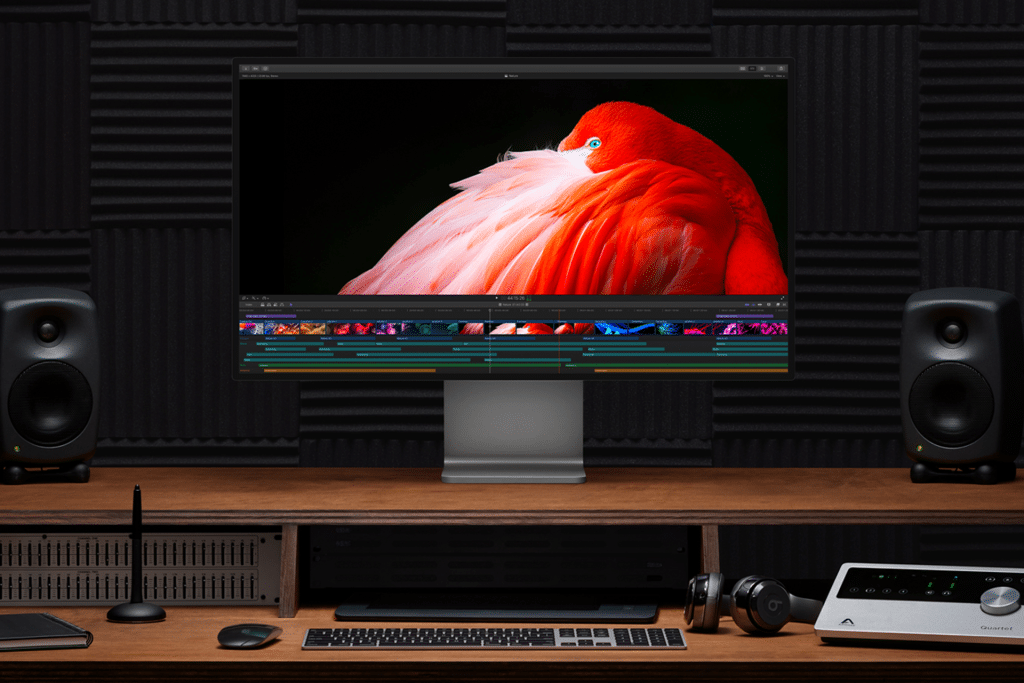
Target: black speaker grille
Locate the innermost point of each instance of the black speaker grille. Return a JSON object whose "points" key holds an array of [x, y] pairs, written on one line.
{"points": [[951, 404], [50, 403]]}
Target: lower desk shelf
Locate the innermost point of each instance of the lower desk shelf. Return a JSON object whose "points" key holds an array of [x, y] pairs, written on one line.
{"points": [[185, 646]]}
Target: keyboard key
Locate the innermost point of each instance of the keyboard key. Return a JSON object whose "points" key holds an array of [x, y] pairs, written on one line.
{"points": [[674, 636]]}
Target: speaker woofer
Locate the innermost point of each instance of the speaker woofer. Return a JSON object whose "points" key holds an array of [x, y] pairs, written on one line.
{"points": [[951, 404], [50, 403]]}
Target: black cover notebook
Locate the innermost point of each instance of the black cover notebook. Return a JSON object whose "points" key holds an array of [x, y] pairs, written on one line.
{"points": [[40, 631]]}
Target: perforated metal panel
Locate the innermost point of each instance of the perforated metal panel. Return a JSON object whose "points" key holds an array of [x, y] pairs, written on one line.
{"points": [[39, 569]]}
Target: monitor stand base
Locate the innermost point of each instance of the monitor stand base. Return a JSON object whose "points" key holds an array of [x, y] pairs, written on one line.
{"points": [[513, 473], [513, 432]]}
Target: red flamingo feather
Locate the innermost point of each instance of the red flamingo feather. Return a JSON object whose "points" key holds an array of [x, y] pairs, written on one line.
{"points": [[631, 203]]}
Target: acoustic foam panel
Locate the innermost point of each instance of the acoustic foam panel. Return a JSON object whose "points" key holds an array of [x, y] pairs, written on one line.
{"points": [[589, 13], [401, 423], [195, 11], [440, 13], [972, 128], [45, 11], [639, 410], [363, 409], [164, 303], [161, 120], [810, 12], [822, 451], [392, 40], [44, 127], [849, 301], [55, 258], [856, 120], [973, 258], [397, 28], [979, 12], [393, 451]]}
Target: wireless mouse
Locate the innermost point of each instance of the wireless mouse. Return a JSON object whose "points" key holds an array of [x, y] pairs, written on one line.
{"points": [[247, 636]]}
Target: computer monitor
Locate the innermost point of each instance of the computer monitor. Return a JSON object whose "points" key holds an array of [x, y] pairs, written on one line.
{"points": [[513, 227]]}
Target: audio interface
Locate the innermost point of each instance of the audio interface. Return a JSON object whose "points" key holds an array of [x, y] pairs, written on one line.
{"points": [[929, 603]]}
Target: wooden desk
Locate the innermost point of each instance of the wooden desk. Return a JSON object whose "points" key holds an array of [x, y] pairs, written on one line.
{"points": [[185, 647], [290, 497], [218, 495]]}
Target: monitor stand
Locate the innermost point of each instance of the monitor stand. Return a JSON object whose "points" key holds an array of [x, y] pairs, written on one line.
{"points": [[513, 432]]}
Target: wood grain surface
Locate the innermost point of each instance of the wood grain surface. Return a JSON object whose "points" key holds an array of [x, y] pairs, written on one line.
{"points": [[185, 645], [417, 496]]}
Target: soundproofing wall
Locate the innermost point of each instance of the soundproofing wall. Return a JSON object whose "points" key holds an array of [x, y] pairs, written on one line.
{"points": [[115, 179]]}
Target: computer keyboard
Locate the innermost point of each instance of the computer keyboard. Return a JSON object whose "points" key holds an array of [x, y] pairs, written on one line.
{"points": [[493, 638]]}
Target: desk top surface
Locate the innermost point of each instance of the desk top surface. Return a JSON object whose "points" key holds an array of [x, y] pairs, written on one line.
{"points": [[190, 633], [610, 496]]}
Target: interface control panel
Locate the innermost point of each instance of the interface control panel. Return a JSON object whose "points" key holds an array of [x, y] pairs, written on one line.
{"points": [[924, 603]]}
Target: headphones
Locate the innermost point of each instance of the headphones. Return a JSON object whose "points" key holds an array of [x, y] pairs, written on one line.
{"points": [[757, 604]]}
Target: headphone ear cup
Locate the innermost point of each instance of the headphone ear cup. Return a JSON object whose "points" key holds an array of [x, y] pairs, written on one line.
{"points": [[760, 605], [703, 601]]}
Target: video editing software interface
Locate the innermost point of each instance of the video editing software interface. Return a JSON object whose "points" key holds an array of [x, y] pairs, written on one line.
{"points": [[544, 220]]}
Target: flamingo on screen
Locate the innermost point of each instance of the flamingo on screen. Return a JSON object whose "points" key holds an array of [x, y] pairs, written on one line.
{"points": [[631, 202]]}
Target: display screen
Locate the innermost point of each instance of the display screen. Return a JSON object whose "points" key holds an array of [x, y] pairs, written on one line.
{"points": [[522, 219]]}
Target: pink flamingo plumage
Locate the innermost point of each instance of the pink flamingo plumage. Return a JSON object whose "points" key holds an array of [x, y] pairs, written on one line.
{"points": [[630, 203]]}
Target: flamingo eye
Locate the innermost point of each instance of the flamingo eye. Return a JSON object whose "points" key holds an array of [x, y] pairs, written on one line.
{"points": [[593, 143]]}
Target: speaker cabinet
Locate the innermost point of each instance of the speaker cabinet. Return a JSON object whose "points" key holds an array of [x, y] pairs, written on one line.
{"points": [[961, 384], [49, 383]]}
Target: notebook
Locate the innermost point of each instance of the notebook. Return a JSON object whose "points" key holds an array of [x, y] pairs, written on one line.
{"points": [[40, 631]]}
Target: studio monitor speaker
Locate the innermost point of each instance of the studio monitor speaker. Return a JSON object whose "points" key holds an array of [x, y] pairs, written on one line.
{"points": [[49, 383], [961, 384]]}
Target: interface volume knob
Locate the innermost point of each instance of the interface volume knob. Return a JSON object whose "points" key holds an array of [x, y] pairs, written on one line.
{"points": [[1000, 600]]}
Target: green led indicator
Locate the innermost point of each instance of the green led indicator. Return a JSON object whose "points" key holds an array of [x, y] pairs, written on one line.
{"points": [[931, 583]]}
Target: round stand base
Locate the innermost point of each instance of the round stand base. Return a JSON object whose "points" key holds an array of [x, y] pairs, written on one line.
{"points": [[987, 473], [136, 613], [14, 474]]}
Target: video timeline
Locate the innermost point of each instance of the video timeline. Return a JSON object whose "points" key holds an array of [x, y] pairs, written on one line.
{"points": [[720, 345], [428, 329]]}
